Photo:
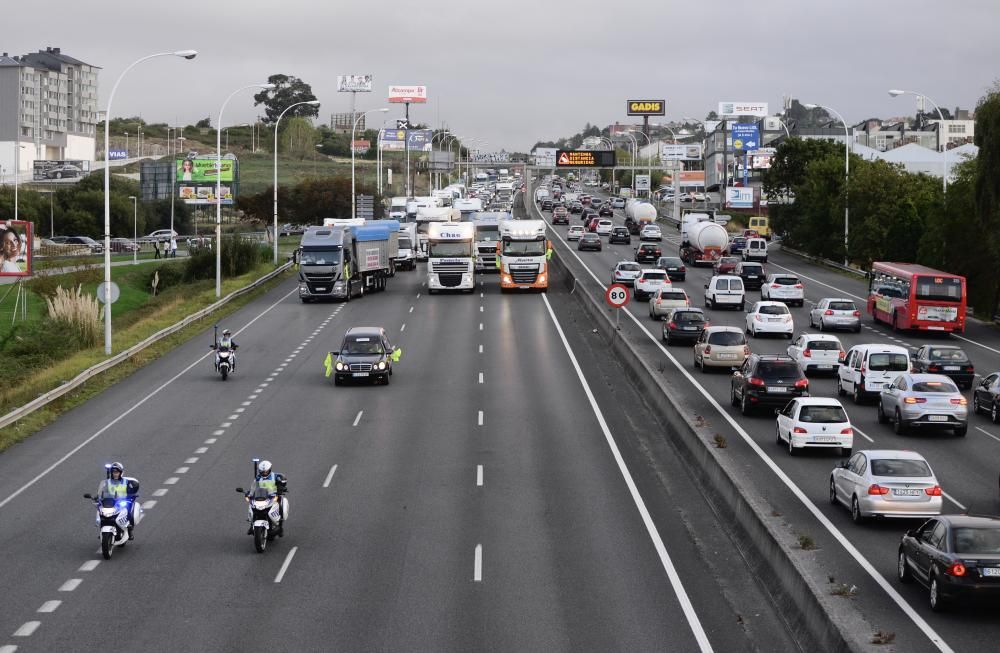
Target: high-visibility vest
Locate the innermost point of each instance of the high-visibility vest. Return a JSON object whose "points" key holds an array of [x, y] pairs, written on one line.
{"points": [[117, 489], [268, 483]]}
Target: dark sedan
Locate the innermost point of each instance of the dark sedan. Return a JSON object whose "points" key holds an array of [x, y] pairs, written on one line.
{"points": [[589, 241], [949, 360], [606, 211], [364, 355], [575, 207], [546, 205], [674, 267], [684, 325], [954, 556], [619, 235], [986, 397]]}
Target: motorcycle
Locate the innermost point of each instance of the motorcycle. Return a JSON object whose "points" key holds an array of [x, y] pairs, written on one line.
{"points": [[224, 361], [113, 520], [267, 515]]}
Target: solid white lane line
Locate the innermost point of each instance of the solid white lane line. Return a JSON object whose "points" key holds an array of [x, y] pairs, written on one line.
{"points": [[477, 565], [49, 606], [70, 585], [159, 493], [149, 504], [90, 565], [981, 430], [675, 581], [181, 470], [952, 499], [171, 481], [284, 565], [786, 480], [480, 377], [402, 328], [191, 461], [27, 629], [329, 477], [358, 418], [479, 476], [211, 440], [861, 433], [201, 450], [480, 418]]}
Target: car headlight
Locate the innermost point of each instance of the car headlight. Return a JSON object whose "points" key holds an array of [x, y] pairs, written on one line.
{"points": [[340, 366], [381, 365]]}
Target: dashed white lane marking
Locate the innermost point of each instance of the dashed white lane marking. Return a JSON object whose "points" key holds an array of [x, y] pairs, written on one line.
{"points": [[211, 440], [49, 606], [329, 477], [288, 360], [411, 309], [221, 431], [161, 492], [149, 504], [201, 450], [953, 500], [481, 377], [358, 418], [862, 433], [481, 295], [480, 309], [27, 629], [479, 476], [982, 430], [246, 403], [480, 326], [284, 565], [90, 565], [191, 461], [234, 417], [263, 385], [402, 328], [171, 481], [480, 349], [239, 410], [181, 470], [477, 566], [270, 378], [480, 418], [70, 585], [8, 648], [418, 294]]}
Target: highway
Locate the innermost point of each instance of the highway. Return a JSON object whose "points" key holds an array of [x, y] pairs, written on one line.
{"points": [[966, 467], [507, 491]]}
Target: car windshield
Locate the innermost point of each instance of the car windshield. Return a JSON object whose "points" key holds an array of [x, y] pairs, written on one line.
{"points": [[576, 229], [320, 256], [823, 414], [524, 248], [773, 309], [822, 345], [842, 306], [362, 345], [900, 467], [629, 267], [778, 370], [948, 354], [934, 387], [727, 338], [786, 281], [977, 540], [889, 362]]}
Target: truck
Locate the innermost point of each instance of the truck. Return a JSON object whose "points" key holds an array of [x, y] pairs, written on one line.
{"points": [[342, 261], [641, 212], [523, 253], [407, 259], [487, 227], [451, 256], [445, 195], [426, 216], [541, 193], [397, 208], [706, 242], [468, 207], [505, 193], [689, 219], [391, 225]]}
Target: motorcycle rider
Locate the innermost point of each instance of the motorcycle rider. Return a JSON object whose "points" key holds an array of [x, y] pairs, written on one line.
{"points": [[229, 343], [117, 486], [274, 484]]}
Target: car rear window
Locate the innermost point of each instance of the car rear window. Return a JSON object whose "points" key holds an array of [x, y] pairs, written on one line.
{"points": [[778, 370], [786, 281], [889, 362], [673, 262], [727, 338], [630, 267], [948, 355], [772, 310], [674, 294], [823, 414], [688, 316], [900, 468], [842, 306], [822, 345], [934, 386], [977, 540], [654, 274], [752, 269]]}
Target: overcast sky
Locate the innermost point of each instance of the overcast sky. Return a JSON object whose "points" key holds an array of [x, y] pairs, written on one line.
{"points": [[516, 72]]}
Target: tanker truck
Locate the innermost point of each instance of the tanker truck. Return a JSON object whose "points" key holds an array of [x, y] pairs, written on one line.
{"points": [[706, 242], [641, 212]]}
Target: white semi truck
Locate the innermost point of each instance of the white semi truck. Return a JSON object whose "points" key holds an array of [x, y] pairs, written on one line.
{"points": [[451, 256], [427, 216], [523, 250]]}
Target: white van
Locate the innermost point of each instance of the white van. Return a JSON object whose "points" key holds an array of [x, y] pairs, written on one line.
{"points": [[725, 290], [756, 250], [867, 369]]}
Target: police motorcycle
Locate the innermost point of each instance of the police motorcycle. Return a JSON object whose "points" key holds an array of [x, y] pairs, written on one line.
{"points": [[116, 515], [225, 362], [266, 513]]}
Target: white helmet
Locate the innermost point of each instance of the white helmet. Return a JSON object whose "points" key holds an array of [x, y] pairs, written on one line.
{"points": [[264, 467]]}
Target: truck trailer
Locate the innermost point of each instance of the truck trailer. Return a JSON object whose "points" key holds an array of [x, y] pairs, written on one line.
{"points": [[343, 261]]}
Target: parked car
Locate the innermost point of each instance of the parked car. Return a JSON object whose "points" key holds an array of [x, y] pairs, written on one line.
{"points": [[666, 299], [161, 235], [684, 325], [867, 369], [752, 275], [619, 235], [575, 232], [589, 241], [816, 352], [886, 483], [625, 272], [95, 247], [725, 290], [650, 232], [769, 317], [924, 401], [954, 556], [949, 360], [767, 381], [835, 313], [721, 346], [815, 423], [123, 245], [648, 252], [674, 266], [784, 288], [725, 265], [649, 282]]}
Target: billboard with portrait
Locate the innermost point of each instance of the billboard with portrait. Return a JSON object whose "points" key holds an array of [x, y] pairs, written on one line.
{"points": [[15, 248], [204, 170], [354, 83]]}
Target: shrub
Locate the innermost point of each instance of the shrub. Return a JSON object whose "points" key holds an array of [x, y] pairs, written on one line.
{"points": [[168, 276], [239, 256], [29, 347], [78, 311]]}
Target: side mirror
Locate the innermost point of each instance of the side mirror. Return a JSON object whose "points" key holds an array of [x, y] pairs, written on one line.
{"points": [[240, 490], [706, 286], [88, 496], [912, 532], [335, 353], [777, 411], [842, 464]]}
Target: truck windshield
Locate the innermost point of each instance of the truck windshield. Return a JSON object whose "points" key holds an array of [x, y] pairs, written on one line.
{"points": [[439, 250], [524, 248], [320, 256], [491, 234], [404, 243]]}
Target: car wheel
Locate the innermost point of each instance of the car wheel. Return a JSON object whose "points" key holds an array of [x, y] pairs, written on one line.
{"points": [[777, 436], [792, 451], [995, 413], [745, 405], [975, 404], [962, 430], [882, 419], [732, 396], [833, 491], [856, 515], [840, 388], [788, 336], [938, 602], [857, 396], [903, 569], [845, 452], [898, 426]]}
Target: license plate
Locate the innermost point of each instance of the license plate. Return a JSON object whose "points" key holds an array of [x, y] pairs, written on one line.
{"points": [[824, 438], [778, 390], [691, 329], [991, 571], [360, 374], [671, 269], [727, 357], [951, 368], [320, 288], [900, 492], [935, 328], [938, 418], [824, 367], [774, 319]]}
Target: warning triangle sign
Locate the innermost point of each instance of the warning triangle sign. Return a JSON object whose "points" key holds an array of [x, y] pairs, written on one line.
{"points": [[563, 159]]}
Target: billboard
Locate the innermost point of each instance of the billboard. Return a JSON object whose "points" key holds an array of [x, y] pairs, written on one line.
{"points": [[642, 182], [544, 156], [397, 139], [690, 152], [344, 122], [740, 197], [745, 136], [646, 107], [59, 169], [411, 94], [204, 194], [760, 159], [361, 146], [15, 248], [117, 155], [354, 83], [691, 178], [442, 160], [743, 109], [585, 159], [204, 170]]}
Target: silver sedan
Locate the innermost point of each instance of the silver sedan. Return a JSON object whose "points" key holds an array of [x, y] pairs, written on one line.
{"points": [[925, 401], [835, 313], [886, 483]]}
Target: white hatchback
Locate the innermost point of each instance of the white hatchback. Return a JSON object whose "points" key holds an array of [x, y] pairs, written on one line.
{"points": [[770, 317], [816, 352], [626, 272], [784, 288], [575, 232], [815, 422], [604, 227], [650, 281], [650, 232]]}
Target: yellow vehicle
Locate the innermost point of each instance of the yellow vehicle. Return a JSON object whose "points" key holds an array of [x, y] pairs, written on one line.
{"points": [[760, 224]]}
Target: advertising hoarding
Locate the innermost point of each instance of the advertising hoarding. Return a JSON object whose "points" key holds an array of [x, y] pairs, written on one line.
{"points": [[361, 146], [758, 109], [419, 140], [681, 152], [646, 107], [344, 122], [739, 197], [204, 194], [585, 159], [642, 182], [354, 83], [760, 159], [204, 170], [117, 155], [745, 136], [59, 169], [411, 94], [15, 248], [691, 178]]}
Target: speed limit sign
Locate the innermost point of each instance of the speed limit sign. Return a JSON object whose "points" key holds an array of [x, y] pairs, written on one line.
{"points": [[616, 295]]}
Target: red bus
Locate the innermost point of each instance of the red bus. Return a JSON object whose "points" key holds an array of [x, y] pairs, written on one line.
{"points": [[911, 296]]}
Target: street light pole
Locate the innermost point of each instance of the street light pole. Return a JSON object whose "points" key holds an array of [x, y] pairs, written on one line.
{"points": [[847, 169], [187, 54], [944, 150], [218, 184], [354, 197], [135, 228], [314, 103]]}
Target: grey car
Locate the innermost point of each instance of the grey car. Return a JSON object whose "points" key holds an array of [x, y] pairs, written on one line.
{"points": [[925, 401], [886, 483], [835, 313]]}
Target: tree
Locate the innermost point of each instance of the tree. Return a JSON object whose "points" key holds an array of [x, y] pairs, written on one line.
{"points": [[204, 123], [987, 186], [788, 166], [712, 116], [288, 90], [298, 138]]}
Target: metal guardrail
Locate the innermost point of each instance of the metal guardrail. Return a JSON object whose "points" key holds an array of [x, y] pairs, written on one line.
{"points": [[823, 261], [122, 356]]}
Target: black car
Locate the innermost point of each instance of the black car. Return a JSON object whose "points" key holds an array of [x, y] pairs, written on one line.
{"points": [[647, 252], [575, 207], [767, 381], [949, 360], [589, 241], [752, 275], [986, 397], [364, 355], [619, 235], [674, 267], [588, 213], [684, 325], [954, 556], [546, 204], [606, 211]]}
